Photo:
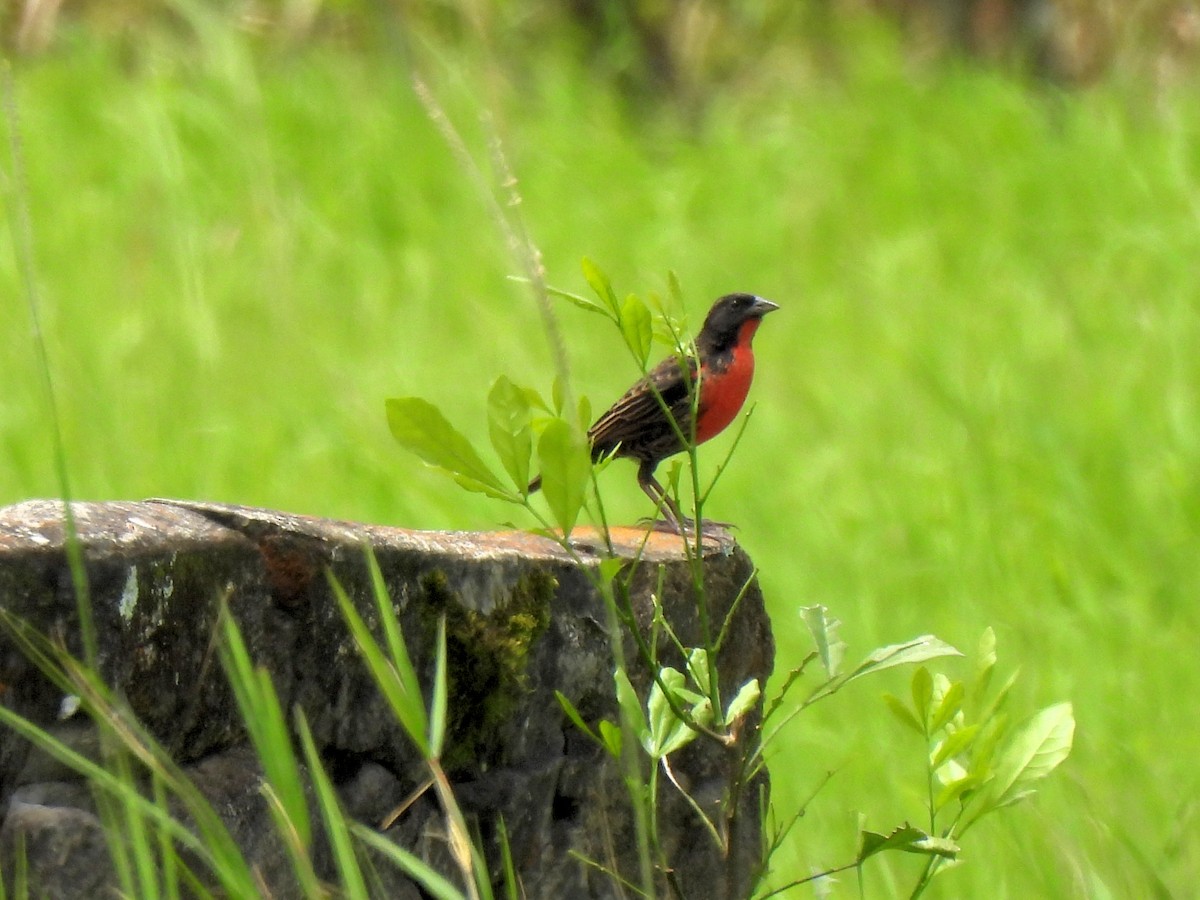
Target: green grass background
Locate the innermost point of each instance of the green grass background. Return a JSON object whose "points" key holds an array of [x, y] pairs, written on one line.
{"points": [[978, 405]]}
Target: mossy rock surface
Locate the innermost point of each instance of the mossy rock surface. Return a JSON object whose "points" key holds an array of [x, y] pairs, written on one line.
{"points": [[522, 622]]}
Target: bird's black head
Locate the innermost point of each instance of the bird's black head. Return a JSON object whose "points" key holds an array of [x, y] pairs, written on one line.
{"points": [[726, 318]]}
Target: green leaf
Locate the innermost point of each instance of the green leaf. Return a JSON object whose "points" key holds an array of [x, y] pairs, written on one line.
{"points": [[698, 668], [674, 289], [744, 701], [636, 328], [985, 663], [952, 745], [702, 710], [983, 751], [509, 417], [1033, 753], [948, 706], [950, 771], [654, 301], [419, 427], [566, 466], [1045, 742], [669, 328], [585, 413], [537, 401], [610, 568], [603, 462], [903, 713], [955, 790], [917, 650], [668, 732], [907, 839], [631, 706], [601, 286], [998, 702], [824, 629], [580, 301], [573, 714], [674, 472], [610, 735], [922, 693]]}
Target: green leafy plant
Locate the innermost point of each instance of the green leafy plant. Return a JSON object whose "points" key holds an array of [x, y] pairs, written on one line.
{"points": [[683, 704], [976, 764]]}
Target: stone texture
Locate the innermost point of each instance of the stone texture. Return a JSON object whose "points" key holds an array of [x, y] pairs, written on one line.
{"points": [[522, 622]]}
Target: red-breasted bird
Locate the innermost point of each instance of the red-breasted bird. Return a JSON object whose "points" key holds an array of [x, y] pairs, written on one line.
{"points": [[637, 426]]}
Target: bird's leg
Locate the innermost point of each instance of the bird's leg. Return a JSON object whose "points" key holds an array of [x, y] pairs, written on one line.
{"points": [[662, 500]]}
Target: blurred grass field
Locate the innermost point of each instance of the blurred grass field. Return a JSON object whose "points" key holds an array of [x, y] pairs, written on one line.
{"points": [[979, 405]]}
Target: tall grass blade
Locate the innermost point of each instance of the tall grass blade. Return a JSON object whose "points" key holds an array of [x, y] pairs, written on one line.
{"points": [[297, 848], [21, 228], [168, 858], [336, 825], [395, 677], [121, 733], [264, 720], [432, 881], [437, 713], [511, 884], [136, 833], [213, 845]]}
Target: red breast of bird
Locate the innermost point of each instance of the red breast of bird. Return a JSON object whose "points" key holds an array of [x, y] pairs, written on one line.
{"points": [[731, 375]]}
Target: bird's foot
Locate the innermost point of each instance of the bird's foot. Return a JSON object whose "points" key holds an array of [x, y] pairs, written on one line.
{"points": [[671, 525]]}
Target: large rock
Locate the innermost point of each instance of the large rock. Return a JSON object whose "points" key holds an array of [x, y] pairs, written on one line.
{"points": [[522, 622]]}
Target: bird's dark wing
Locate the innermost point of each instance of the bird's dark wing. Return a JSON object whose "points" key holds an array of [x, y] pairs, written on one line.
{"points": [[636, 421]]}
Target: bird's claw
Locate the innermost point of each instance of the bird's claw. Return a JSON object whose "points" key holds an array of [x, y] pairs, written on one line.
{"points": [[685, 526]]}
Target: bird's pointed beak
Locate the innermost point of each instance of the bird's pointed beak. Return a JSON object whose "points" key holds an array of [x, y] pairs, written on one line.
{"points": [[762, 306]]}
